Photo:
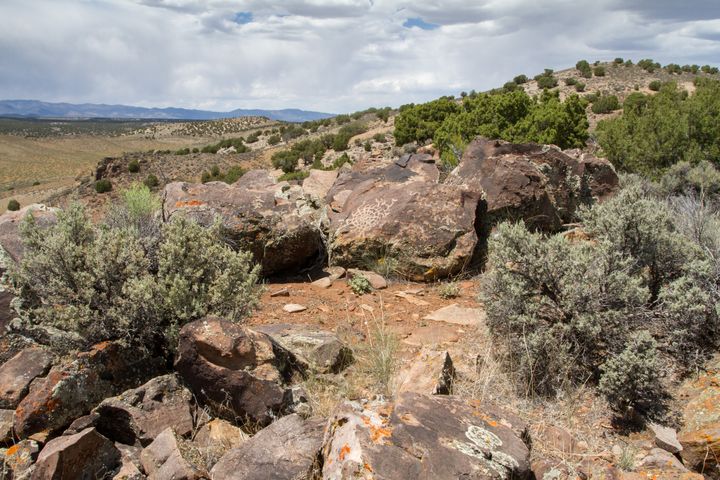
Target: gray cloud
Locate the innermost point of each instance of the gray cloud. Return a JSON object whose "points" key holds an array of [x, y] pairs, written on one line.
{"points": [[331, 55]]}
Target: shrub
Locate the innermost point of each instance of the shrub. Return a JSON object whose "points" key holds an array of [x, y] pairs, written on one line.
{"points": [[229, 177], [151, 181], [571, 81], [520, 79], [599, 71], [182, 151], [673, 68], [379, 137], [253, 137], [290, 176], [510, 86], [342, 119], [702, 179], [655, 85], [13, 205], [359, 285], [98, 283], [419, 122], [579, 87], [546, 81], [631, 380], [273, 139], [618, 61], [340, 161], [233, 174], [648, 65], [383, 114], [134, 166], [103, 185], [605, 104], [449, 290], [367, 146], [584, 68], [285, 160]]}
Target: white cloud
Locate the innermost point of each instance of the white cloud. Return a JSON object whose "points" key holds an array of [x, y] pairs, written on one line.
{"points": [[330, 55]]}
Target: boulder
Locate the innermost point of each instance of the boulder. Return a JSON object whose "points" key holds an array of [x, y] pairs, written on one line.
{"points": [[10, 240], [536, 183], [6, 426], [665, 438], [425, 437], [237, 372], [84, 456], [457, 315], [276, 223], [376, 281], [137, 416], [129, 463], [426, 229], [17, 373], [318, 183], [216, 438], [19, 459], [700, 434], [70, 390], [315, 350], [430, 372], [288, 448], [557, 439], [163, 459]]}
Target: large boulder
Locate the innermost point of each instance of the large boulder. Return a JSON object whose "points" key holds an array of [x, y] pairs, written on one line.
{"points": [[239, 373], [401, 214], [137, 416], [425, 437], [72, 389], [84, 456], [700, 435], [274, 221], [288, 448], [536, 183], [17, 373]]}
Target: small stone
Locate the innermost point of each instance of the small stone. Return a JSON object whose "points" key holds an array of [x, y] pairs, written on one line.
{"points": [[376, 281], [666, 438], [324, 282], [457, 315], [283, 292], [335, 272], [294, 308]]}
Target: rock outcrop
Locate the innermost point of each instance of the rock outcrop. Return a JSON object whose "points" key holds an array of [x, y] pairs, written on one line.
{"points": [[424, 437], [539, 184], [84, 456], [17, 373], [274, 221]]}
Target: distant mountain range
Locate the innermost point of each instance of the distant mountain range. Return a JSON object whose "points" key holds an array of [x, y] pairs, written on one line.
{"points": [[38, 109]]}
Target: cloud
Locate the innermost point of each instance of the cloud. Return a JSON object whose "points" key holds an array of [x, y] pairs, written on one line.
{"points": [[330, 55]]}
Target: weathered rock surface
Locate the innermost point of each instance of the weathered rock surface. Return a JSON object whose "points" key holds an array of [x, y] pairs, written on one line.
{"points": [[319, 183], [239, 373], [216, 438], [139, 415], [71, 390], [17, 373], [700, 435], [457, 315], [276, 223], [401, 214], [6, 426], [163, 460], [19, 459], [316, 350], [10, 240], [424, 437], [84, 456], [288, 448], [129, 463], [430, 372], [536, 183], [665, 438]]}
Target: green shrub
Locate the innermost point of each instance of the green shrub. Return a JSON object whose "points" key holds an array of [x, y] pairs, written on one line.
{"points": [[383, 114], [648, 65], [618, 61], [151, 181], [342, 119], [273, 139], [605, 104], [340, 161], [13, 205], [579, 87], [655, 85], [367, 146], [449, 290], [182, 151], [571, 81], [520, 79], [134, 166], [584, 68], [510, 86], [417, 123], [631, 381], [296, 176], [97, 283], [359, 285], [103, 185], [635, 103], [195, 150], [673, 68], [599, 71], [253, 137], [546, 81], [379, 137], [229, 177]]}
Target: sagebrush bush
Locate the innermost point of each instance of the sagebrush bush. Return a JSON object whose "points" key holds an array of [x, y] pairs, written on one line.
{"points": [[133, 166], [96, 283], [151, 181], [13, 205], [655, 85], [632, 381], [103, 185], [605, 104]]}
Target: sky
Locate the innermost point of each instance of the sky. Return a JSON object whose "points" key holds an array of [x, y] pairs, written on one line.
{"points": [[325, 55]]}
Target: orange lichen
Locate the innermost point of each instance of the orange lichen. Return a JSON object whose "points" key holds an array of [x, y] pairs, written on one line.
{"points": [[377, 434], [367, 467], [344, 451], [188, 203], [12, 450]]}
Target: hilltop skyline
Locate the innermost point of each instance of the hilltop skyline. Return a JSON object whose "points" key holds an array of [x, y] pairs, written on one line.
{"points": [[331, 55]]}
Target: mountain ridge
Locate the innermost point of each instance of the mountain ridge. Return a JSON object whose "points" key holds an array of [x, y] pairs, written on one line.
{"points": [[40, 109]]}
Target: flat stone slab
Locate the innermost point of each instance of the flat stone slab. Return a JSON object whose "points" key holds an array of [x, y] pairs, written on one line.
{"points": [[457, 315], [294, 308]]}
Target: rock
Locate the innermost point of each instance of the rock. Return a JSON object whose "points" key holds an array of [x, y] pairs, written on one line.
{"points": [[6, 426], [279, 227], [323, 283], [129, 463], [547, 469], [377, 282], [220, 435], [536, 183], [557, 439], [19, 458], [17, 373], [70, 390], [316, 350], [163, 460], [427, 230], [335, 273], [288, 448], [430, 372], [700, 435], [422, 436], [137, 416], [457, 315], [318, 183], [86, 455], [234, 370], [665, 438], [661, 459], [283, 292], [294, 308], [10, 222]]}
